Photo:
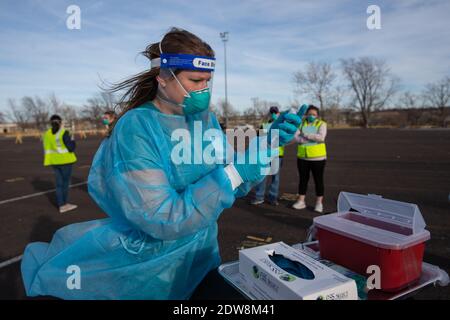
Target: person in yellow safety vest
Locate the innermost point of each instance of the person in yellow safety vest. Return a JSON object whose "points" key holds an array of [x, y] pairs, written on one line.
{"points": [[311, 156], [59, 153], [274, 186]]}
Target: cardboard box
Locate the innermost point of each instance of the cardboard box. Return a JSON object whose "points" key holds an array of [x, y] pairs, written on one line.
{"points": [[308, 280]]}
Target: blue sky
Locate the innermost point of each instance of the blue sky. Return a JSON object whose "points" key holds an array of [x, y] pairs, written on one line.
{"points": [[268, 41]]}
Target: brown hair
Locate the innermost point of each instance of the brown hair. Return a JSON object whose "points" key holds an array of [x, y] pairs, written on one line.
{"points": [[143, 87]]}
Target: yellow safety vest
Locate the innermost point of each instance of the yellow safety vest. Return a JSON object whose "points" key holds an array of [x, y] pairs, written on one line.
{"points": [[55, 150], [266, 126], [311, 149]]}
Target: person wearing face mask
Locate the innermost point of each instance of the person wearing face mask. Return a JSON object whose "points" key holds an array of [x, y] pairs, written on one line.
{"points": [[59, 154], [160, 239], [311, 157], [108, 118], [274, 185]]}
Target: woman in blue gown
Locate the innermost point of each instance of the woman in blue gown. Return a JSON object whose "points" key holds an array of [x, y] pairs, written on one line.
{"points": [[160, 239]]}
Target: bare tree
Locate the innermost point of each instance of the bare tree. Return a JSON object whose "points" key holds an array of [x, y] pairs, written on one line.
{"points": [[37, 109], [97, 105], [332, 111], [227, 110], [214, 109], [372, 84], [294, 103], [316, 82], [438, 96], [17, 114], [2, 117], [410, 100], [55, 104], [94, 110], [414, 105], [249, 115], [67, 112], [70, 114], [249, 112], [260, 108], [109, 100]]}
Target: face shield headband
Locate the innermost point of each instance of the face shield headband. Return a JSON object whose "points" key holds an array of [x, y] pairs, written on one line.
{"points": [[184, 62]]}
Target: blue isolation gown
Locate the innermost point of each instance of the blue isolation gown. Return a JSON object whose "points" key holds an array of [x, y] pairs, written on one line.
{"points": [[160, 239]]}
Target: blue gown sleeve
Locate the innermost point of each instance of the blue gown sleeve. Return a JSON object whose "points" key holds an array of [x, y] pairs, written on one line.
{"points": [[244, 189], [129, 180]]}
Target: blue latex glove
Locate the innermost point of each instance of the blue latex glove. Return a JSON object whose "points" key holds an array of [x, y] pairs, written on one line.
{"points": [[301, 112], [287, 124], [294, 267], [252, 167]]}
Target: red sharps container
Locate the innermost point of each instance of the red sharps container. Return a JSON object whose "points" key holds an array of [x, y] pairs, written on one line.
{"points": [[369, 230]]}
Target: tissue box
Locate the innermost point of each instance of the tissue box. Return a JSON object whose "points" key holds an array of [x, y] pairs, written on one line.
{"points": [[293, 275]]}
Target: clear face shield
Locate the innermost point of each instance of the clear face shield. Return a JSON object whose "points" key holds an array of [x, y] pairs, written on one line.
{"points": [[198, 79], [171, 73]]}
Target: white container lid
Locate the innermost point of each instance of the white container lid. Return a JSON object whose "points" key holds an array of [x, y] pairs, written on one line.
{"points": [[402, 215]]}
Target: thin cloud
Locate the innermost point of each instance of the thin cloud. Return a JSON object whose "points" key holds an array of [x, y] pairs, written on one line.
{"points": [[269, 40]]}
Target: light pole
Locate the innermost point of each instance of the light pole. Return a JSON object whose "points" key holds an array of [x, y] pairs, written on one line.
{"points": [[224, 36]]}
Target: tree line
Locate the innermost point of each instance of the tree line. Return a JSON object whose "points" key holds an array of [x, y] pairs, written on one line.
{"points": [[357, 88], [361, 86], [34, 112]]}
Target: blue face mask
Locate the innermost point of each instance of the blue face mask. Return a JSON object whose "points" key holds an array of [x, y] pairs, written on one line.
{"points": [[311, 118], [105, 122], [274, 116]]}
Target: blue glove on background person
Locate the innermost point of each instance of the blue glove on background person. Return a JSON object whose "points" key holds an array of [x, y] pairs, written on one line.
{"points": [[286, 124], [301, 112]]}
